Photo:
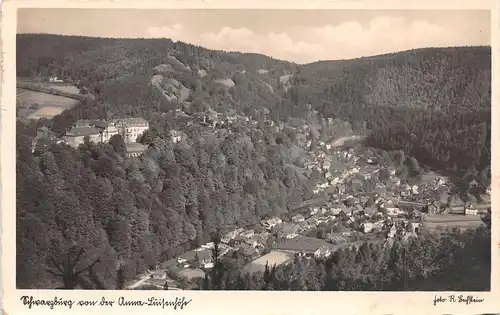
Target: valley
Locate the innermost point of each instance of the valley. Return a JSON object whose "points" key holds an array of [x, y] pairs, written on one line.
{"points": [[253, 163]]}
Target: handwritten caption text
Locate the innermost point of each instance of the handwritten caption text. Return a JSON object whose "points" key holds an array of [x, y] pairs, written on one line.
{"points": [[31, 302], [465, 299]]}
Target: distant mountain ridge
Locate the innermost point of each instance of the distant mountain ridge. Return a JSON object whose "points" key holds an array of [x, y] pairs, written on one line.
{"points": [[372, 93]]}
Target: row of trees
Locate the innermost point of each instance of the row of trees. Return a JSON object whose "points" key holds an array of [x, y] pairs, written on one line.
{"points": [[459, 261]]}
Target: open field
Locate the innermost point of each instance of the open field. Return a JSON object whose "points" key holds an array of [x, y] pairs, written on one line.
{"points": [[274, 257], [61, 89], [192, 273], [64, 88], [49, 105], [20, 91], [46, 112]]}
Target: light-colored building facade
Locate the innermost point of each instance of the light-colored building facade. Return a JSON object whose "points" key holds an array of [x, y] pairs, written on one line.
{"points": [[102, 131], [131, 128], [76, 135]]}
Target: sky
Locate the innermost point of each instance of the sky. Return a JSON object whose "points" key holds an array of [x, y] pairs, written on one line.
{"points": [[301, 36]]}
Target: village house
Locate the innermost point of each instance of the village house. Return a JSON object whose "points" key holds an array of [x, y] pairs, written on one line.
{"points": [[336, 209], [103, 131], [106, 129], [238, 240], [298, 218], [204, 262], [55, 80], [306, 246], [177, 136], [247, 234], [159, 275], [473, 183], [372, 210], [414, 190], [431, 208], [44, 132], [356, 185], [326, 165], [456, 205], [233, 233], [393, 211], [269, 223], [393, 231], [337, 238], [315, 210], [40, 145], [183, 263], [131, 128], [367, 227], [351, 221], [470, 211], [358, 208], [415, 227], [208, 245], [251, 242], [410, 205], [289, 230], [322, 252], [76, 135], [225, 240]]}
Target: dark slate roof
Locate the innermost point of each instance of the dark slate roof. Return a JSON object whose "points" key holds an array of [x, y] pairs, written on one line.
{"points": [[82, 131], [135, 147], [191, 255], [304, 244]]}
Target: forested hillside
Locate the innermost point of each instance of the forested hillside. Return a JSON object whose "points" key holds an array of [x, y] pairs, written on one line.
{"points": [[432, 103]]}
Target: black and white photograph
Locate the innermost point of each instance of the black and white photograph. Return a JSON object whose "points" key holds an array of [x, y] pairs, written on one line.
{"points": [[254, 150]]}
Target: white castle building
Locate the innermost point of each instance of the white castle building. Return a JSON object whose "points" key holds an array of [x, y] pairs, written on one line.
{"points": [[102, 131]]}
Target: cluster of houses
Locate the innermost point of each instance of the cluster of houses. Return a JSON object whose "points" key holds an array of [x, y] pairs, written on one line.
{"points": [[345, 172], [391, 208], [102, 131], [396, 210], [98, 131]]}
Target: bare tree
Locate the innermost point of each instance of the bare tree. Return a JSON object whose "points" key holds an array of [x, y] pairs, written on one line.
{"points": [[66, 269]]}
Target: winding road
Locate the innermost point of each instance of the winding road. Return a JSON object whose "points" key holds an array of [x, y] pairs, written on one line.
{"points": [[140, 282]]}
